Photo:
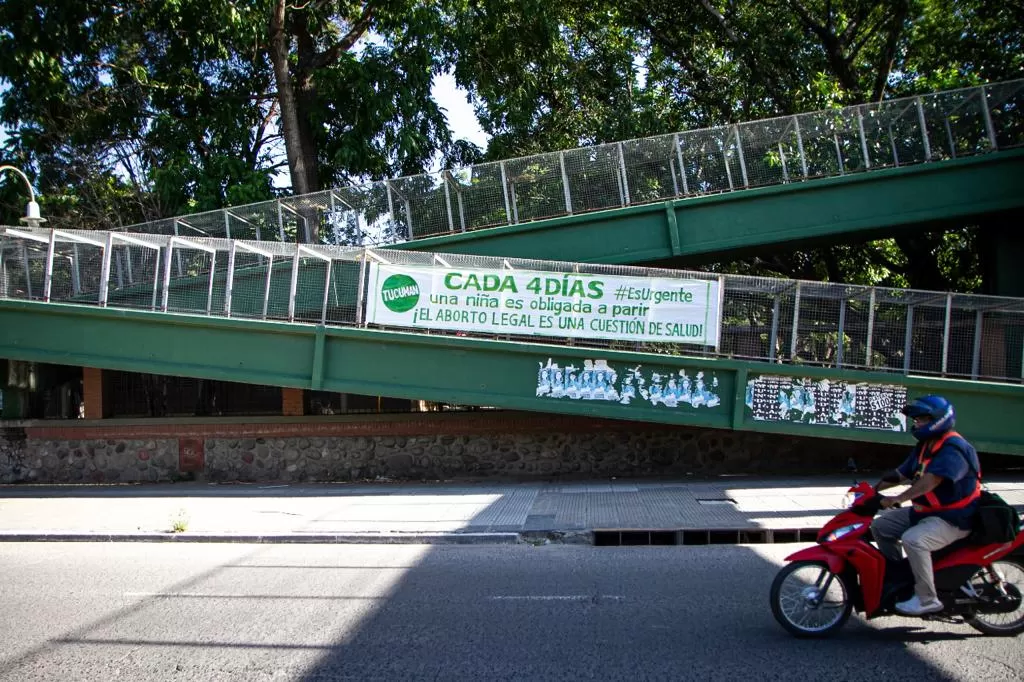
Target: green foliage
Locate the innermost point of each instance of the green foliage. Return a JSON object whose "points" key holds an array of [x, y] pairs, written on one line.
{"points": [[129, 112], [955, 43], [545, 76], [159, 109]]}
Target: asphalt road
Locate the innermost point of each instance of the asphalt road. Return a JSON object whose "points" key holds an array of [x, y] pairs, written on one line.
{"points": [[366, 612]]}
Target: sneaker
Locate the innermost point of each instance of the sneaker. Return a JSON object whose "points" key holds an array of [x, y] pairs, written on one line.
{"points": [[914, 607]]}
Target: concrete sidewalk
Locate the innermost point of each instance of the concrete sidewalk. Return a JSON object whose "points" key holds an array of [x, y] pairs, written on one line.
{"points": [[725, 510]]}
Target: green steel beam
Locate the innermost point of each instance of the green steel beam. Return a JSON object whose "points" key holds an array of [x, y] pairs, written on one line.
{"points": [[451, 369], [713, 228]]}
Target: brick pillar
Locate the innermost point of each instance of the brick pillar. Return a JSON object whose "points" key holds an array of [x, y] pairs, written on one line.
{"points": [[292, 402], [92, 392]]}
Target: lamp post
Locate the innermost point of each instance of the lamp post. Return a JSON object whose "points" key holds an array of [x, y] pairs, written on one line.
{"points": [[32, 217], [33, 220]]}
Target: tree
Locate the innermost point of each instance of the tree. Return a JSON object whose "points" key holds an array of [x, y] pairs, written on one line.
{"points": [[955, 43], [181, 106], [547, 76], [586, 72], [297, 93], [130, 113], [353, 82]]}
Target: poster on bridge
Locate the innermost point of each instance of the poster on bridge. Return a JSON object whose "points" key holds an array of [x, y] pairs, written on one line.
{"points": [[532, 303]]}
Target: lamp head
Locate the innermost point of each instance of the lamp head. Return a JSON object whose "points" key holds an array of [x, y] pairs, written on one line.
{"points": [[32, 216]]}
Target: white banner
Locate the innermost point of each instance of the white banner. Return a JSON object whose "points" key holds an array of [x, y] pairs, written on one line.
{"points": [[526, 302]]}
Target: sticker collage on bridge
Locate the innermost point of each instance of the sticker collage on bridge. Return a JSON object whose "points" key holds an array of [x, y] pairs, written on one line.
{"points": [[826, 402], [598, 380]]}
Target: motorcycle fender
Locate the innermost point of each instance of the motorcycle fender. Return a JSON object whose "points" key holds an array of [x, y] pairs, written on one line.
{"points": [[835, 563]]}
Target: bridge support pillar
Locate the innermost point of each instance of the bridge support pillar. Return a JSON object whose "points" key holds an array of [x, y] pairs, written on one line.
{"points": [[92, 393], [292, 402], [1002, 251]]}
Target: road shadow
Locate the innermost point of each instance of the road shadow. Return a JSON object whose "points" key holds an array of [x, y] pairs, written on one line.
{"points": [[548, 612]]}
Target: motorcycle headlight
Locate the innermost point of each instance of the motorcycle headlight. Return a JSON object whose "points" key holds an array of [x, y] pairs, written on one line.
{"points": [[845, 530]]}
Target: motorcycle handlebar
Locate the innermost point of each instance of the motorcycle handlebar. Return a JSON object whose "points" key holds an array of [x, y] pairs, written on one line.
{"points": [[873, 504], [870, 501], [869, 505]]}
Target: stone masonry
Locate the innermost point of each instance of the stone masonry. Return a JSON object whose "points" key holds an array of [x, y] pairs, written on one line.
{"points": [[506, 456], [88, 461], [423, 448]]}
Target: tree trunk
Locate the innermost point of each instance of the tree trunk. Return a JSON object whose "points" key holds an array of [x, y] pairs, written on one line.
{"points": [[922, 271], [301, 164]]}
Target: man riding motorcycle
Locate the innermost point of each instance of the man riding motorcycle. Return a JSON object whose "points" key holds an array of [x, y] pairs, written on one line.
{"points": [[945, 481]]}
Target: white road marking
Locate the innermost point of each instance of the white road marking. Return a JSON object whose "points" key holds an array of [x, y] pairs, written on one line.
{"points": [[555, 597]]}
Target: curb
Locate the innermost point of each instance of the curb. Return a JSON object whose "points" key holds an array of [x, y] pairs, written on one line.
{"points": [[280, 538], [617, 537]]}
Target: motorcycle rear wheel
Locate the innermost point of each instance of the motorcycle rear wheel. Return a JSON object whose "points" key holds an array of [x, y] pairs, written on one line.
{"points": [[1001, 624], [798, 603]]}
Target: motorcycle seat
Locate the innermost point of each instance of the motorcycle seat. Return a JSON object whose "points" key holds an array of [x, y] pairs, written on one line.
{"points": [[949, 549]]}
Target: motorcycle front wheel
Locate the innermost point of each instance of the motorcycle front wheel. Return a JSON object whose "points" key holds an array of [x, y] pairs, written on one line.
{"points": [[1009, 620], [808, 600]]}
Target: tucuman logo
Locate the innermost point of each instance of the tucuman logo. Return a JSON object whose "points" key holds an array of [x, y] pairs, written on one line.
{"points": [[400, 293]]}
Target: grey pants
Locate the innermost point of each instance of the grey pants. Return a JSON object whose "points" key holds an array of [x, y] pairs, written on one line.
{"points": [[919, 541]]}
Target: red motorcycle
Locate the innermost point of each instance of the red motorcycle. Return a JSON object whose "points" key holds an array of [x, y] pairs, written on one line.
{"points": [[979, 585]]}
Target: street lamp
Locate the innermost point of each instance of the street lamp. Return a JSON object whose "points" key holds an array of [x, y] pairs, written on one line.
{"points": [[32, 217]]}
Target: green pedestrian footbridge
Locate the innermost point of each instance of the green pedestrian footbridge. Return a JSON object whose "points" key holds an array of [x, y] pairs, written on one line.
{"points": [[542, 283], [623, 342]]}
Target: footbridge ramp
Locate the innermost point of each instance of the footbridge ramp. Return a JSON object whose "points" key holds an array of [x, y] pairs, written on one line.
{"points": [[633, 343]]}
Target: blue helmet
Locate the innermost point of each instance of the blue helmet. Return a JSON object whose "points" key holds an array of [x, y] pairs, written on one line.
{"points": [[939, 411]]}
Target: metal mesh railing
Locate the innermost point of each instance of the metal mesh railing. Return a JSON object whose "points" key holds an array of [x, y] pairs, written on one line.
{"points": [[773, 320], [893, 133]]}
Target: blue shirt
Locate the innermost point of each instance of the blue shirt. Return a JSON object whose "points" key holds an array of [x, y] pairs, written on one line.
{"points": [[958, 480]]}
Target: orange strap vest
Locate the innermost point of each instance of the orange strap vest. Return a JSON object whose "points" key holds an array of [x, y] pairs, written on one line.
{"points": [[933, 504]]}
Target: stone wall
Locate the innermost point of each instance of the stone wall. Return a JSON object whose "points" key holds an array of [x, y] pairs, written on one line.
{"points": [[87, 461], [506, 456], [429, 447]]}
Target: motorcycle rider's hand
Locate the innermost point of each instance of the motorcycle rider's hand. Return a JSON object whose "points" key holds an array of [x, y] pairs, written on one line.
{"points": [[889, 502]]}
